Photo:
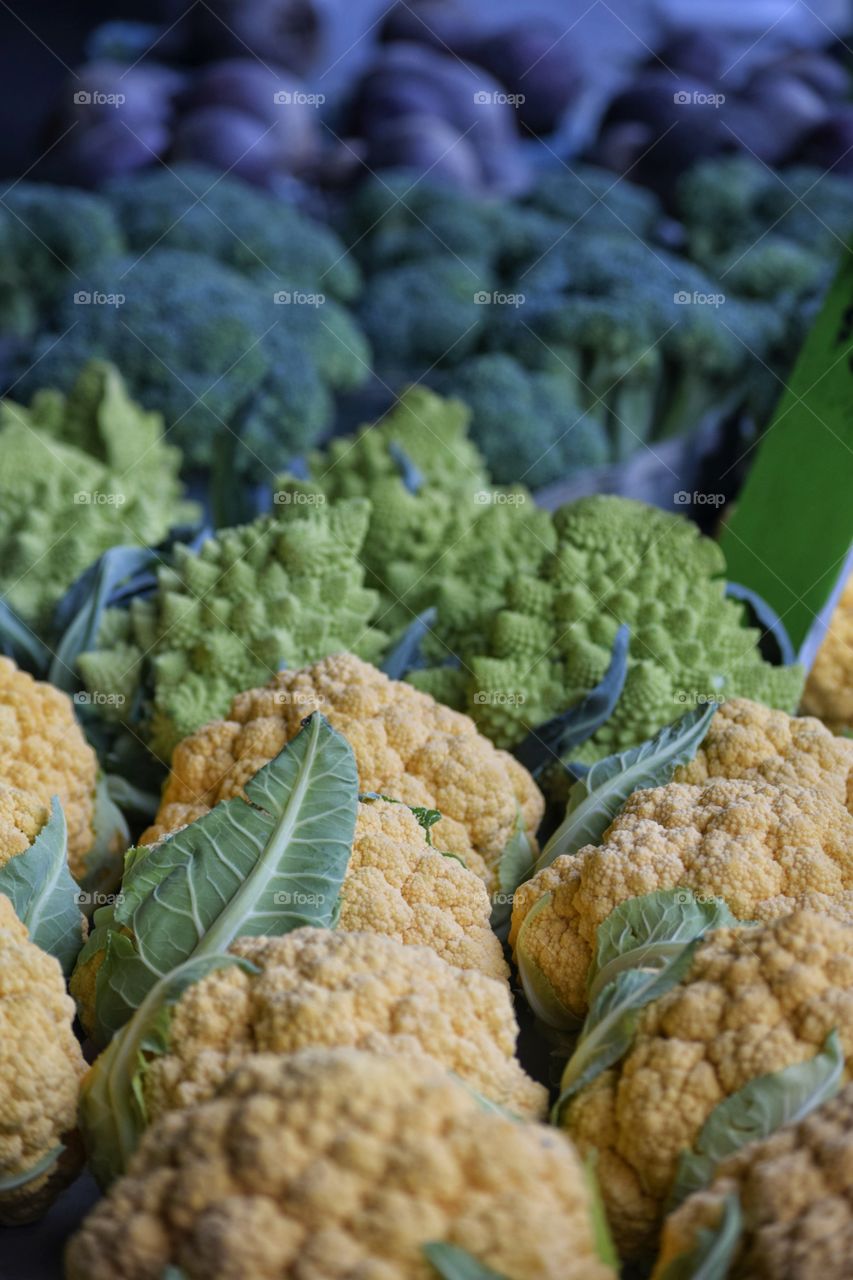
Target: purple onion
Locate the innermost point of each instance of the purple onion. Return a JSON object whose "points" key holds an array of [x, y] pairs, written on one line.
{"points": [[107, 150], [227, 139], [284, 32], [534, 60], [269, 95], [426, 143]]}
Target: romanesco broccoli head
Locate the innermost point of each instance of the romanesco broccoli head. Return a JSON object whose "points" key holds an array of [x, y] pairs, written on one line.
{"points": [[81, 473], [440, 533], [279, 591], [334, 1162], [41, 1067], [617, 561]]}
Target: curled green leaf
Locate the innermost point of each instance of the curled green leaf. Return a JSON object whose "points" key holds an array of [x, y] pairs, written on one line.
{"points": [[43, 893]]}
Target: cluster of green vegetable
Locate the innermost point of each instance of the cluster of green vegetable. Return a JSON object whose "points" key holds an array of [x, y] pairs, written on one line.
{"points": [[224, 309], [579, 322]]}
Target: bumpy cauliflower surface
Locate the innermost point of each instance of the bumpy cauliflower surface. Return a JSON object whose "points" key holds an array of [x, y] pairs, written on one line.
{"points": [[337, 1164], [41, 1067], [22, 816], [796, 1195], [331, 988], [765, 850], [748, 740], [407, 746], [43, 753], [829, 688], [754, 1001], [396, 885]]}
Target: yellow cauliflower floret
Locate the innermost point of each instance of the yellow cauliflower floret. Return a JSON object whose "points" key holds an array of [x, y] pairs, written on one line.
{"points": [[41, 1067], [795, 1190], [748, 740], [22, 816], [337, 1164], [829, 688], [43, 753], [764, 849], [330, 988], [754, 1001], [406, 745], [396, 884]]}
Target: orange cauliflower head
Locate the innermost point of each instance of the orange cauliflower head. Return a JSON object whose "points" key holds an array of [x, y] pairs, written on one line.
{"points": [[795, 1190], [333, 1164], [753, 1002], [829, 688], [330, 988], [748, 740], [43, 753], [764, 849], [41, 1067], [407, 746]]}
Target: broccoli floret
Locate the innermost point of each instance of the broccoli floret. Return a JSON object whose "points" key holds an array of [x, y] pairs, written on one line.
{"points": [[47, 236], [616, 561], [529, 425], [440, 534], [423, 313], [284, 590], [773, 268], [80, 474], [598, 200], [194, 208], [207, 348], [330, 335]]}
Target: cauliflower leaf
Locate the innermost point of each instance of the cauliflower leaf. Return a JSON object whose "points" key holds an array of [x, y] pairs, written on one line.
{"points": [[757, 1110], [714, 1251], [43, 893], [453, 1263], [259, 866]]}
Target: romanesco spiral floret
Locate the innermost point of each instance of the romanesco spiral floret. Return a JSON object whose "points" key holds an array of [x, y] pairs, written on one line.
{"points": [[616, 561], [80, 474], [439, 534], [207, 633]]}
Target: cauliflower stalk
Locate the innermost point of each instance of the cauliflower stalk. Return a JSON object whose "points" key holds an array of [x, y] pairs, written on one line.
{"points": [[41, 1067], [329, 1163]]}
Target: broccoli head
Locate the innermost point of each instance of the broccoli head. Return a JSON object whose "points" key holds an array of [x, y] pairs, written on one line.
{"points": [[598, 199], [425, 312], [528, 424], [81, 473], [277, 592], [47, 236], [194, 208], [210, 349], [616, 561]]}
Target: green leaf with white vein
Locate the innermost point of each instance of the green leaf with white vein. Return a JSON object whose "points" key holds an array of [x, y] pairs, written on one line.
{"points": [[260, 866], [758, 1110], [41, 889]]}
